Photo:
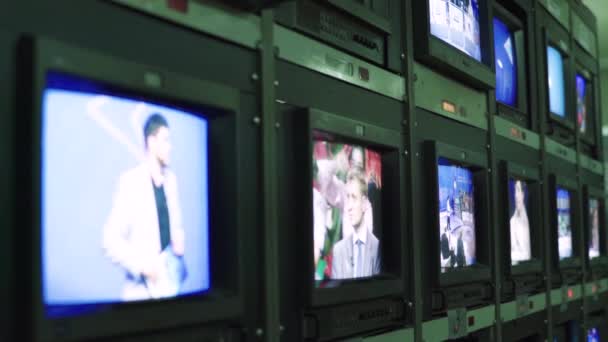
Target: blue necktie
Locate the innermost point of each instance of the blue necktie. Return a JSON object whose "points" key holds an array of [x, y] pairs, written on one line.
{"points": [[359, 259]]}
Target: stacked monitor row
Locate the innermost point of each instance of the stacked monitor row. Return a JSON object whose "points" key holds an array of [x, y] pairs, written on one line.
{"points": [[143, 187]]}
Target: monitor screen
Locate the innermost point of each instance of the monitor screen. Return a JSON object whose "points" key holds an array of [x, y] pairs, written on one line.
{"points": [[556, 82], [582, 117], [518, 223], [456, 215], [125, 207], [506, 64], [594, 228], [347, 210], [564, 225], [593, 335], [456, 22]]}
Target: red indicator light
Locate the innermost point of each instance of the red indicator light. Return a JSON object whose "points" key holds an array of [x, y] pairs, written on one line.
{"points": [[178, 5], [570, 293]]}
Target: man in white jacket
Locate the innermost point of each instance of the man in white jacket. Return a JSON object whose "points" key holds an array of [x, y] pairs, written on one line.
{"points": [[144, 226]]}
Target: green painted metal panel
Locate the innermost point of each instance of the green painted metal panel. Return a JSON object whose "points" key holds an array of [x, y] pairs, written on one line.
{"points": [[444, 96], [591, 165], [558, 150], [512, 131], [314, 55], [403, 335], [235, 26], [560, 9]]}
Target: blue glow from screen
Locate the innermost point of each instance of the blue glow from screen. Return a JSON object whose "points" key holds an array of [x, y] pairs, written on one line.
{"points": [[556, 82], [100, 222], [593, 335], [506, 64]]}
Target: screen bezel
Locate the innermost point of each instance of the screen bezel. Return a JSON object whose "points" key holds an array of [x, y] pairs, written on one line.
{"points": [[477, 164], [532, 178], [571, 185], [436, 52], [388, 143], [555, 36], [586, 67], [221, 104], [520, 112], [596, 193]]}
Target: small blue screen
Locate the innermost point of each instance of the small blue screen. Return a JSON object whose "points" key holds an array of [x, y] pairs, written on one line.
{"points": [[556, 82], [506, 64]]}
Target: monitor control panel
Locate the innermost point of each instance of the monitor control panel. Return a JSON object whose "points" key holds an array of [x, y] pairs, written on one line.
{"points": [[335, 27]]}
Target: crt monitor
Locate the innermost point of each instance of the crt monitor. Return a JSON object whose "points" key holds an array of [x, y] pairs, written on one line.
{"points": [[142, 226], [506, 64], [347, 211], [352, 245], [454, 37], [565, 239], [519, 221], [123, 180], [457, 24], [457, 244], [511, 63], [556, 82]]}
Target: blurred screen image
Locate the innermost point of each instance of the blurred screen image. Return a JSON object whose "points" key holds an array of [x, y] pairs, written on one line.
{"points": [[581, 103], [347, 211], [456, 22], [518, 222], [564, 225], [506, 64], [594, 228], [125, 213], [593, 335], [556, 82], [456, 216]]}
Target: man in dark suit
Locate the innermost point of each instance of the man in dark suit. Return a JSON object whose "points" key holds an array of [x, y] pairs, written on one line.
{"points": [[461, 260]]}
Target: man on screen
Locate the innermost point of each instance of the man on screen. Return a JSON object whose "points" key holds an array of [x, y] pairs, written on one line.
{"points": [[520, 225], [144, 233], [356, 255]]}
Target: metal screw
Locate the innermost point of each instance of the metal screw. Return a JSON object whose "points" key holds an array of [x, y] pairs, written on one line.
{"points": [[281, 328], [415, 123], [404, 122], [417, 154], [255, 76], [276, 83], [259, 332], [403, 56], [488, 146], [277, 125], [256, 120], [405, 153], [410, 304]]}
